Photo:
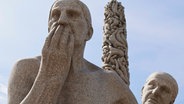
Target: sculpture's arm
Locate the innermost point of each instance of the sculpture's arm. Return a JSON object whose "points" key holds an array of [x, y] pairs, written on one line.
{"points": [[54, 68]]}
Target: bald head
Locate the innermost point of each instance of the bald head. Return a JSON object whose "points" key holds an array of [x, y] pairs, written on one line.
{"points": [[160, 86], [166, 78]]}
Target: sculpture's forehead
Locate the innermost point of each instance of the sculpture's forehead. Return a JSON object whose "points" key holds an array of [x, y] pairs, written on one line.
{"points": [[156, 79], [160, 81], [161, 78], [67, 4]]}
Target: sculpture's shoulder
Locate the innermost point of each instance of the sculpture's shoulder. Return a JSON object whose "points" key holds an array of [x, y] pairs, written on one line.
{"points": [[117, 87], [106, 76], [28, 63], [27, 67], [111, 85], [101, 73], [22, 78]]}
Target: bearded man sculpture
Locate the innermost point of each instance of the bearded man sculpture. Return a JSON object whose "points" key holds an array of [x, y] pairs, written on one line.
{"points": [[160, 88], [61, 75]]}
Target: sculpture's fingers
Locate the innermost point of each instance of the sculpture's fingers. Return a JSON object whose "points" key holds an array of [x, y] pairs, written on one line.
{"points": [[70, 43], [56, 37], [49, 38], [65, 39], [54, 25]]}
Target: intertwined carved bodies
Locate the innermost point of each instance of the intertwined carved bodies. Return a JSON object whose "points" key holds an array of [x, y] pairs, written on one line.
{"points": [[61, 75]]}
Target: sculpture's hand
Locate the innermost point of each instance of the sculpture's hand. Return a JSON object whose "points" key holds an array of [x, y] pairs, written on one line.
{"points": [[57, 52], [54, 68]]}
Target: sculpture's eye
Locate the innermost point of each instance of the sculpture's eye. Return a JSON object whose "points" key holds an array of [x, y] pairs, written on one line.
{"points": [[152, 84], [55, 14], [73, 14], [165, 89]]}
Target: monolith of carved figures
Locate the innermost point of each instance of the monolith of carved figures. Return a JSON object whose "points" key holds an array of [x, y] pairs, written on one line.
{"points": [[115, 49]]}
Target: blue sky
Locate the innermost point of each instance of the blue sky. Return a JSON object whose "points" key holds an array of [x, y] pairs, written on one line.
{"points": [[155, 37]]}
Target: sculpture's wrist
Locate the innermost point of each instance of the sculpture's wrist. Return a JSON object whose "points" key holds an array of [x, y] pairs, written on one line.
{"points": [[54, 69]]}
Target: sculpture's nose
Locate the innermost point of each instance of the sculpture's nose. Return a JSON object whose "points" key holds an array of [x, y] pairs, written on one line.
{"points": [[156, 90], [63, 20]]}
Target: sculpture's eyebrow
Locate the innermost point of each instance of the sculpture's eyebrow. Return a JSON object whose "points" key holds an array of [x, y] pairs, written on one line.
{"points": [[55, 11], [55, 8], [152, 82], [74, 11]]}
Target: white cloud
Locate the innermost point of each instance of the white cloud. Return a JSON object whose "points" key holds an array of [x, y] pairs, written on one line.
{"points": [[3, 100], [3, 89], [3, 94]]}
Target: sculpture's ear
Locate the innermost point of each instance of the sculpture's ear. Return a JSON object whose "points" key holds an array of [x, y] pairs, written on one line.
{"points": [[89, 34], [172, 102], [142, 90]]}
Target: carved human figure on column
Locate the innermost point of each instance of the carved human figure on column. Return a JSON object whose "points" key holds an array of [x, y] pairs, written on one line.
{"points": [[61, 75], [160, 88], [115, 47]]}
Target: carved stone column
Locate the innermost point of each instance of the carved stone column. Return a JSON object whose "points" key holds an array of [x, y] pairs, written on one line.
{"points": [[115, 49]]}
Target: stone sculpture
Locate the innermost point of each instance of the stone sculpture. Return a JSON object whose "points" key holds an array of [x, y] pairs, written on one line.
{"points": [[160, 88], [61, 75], [115, 49]]}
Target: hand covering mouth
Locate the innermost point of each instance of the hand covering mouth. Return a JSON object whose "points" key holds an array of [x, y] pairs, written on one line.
{"points": [[152, 100]]}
